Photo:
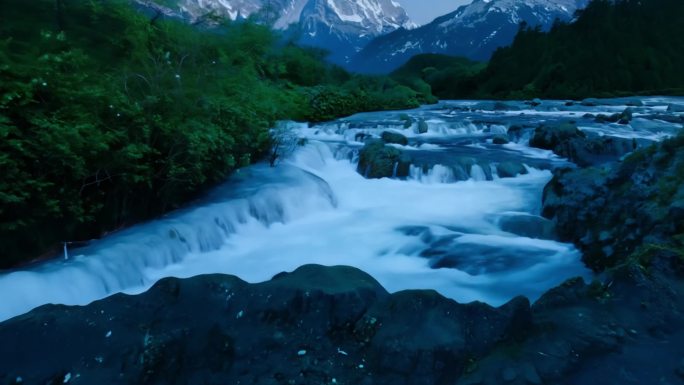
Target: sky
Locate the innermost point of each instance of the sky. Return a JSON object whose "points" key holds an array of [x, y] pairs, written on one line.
{"points": [[424, 11]]}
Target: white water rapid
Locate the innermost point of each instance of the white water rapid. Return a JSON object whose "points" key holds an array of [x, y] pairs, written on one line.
{"points": [[449, 226]]}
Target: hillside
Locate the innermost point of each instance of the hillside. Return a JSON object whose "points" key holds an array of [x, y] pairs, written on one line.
{"points": [[101, 130], [614, 48]]}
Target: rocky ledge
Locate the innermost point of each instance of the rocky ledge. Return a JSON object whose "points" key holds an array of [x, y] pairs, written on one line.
{"points": [[624, 210], [337, 325]]}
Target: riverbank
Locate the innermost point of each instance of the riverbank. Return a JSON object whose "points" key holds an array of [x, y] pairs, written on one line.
{"points": [[101, 131], [337, 325]]}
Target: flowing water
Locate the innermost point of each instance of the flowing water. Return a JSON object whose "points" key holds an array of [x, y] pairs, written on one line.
{"points": [[454, 224]]}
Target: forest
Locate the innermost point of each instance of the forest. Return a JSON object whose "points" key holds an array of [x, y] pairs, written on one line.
{"points": [[110, 115], [614, 48]]}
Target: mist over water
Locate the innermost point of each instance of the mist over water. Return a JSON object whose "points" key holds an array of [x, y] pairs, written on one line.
{"points": [[454, 225]]}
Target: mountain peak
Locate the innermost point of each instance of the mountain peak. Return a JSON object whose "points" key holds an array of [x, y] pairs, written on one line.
{"points": [[341, 26], [474, 30]]}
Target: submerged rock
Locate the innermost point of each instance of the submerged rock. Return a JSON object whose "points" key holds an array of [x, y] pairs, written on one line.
{"points": [[510, 169], [528, 226]]}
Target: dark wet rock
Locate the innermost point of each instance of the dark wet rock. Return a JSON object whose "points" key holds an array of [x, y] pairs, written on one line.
{"points": [[422, 126], [394, 137], [590, 102], [319, 323], [552, 137], [568, 141], [377, 160], [528, 226], [509, 374], [309, 326], [601, 118], [407, 120], [680, 368], [495, 106], [622, 118], [500, 140], [669, 118], [501, 106], [530, 375], [581, 334], [478, 259], [510, 169], [626, 116], [515, 132], [675, 108], [534, 102], [613, 210], [633, 102]]}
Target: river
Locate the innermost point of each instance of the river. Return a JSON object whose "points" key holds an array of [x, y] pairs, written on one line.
{"points": [[454, 225]]}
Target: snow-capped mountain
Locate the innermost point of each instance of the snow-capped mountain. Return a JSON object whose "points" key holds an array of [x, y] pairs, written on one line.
{"points": [[343, 27], [475, 31]]}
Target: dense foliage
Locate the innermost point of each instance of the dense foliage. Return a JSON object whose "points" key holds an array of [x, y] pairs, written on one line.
{"points": [[448, 77], [109, 115], [613, 48]]}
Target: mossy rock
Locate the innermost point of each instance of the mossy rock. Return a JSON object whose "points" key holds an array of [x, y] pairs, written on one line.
{"points": [[394, 137], [549, 137], [423, 126], [510, 169], [408, 121], [377, 160], [500, 140]]}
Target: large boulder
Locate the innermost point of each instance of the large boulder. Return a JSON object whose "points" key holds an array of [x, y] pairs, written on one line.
{"points": [[390, 137], [570, 142], [337, 325], [613, 210], [316, 325], [377, 160], [553, 137]]}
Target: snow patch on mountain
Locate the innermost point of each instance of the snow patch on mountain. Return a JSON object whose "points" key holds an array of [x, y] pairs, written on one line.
{"points": [[343, 27], [475, 31]]}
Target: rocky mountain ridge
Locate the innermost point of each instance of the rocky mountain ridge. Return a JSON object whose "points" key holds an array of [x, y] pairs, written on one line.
{"points": [[342, 27], [474, 31]]}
